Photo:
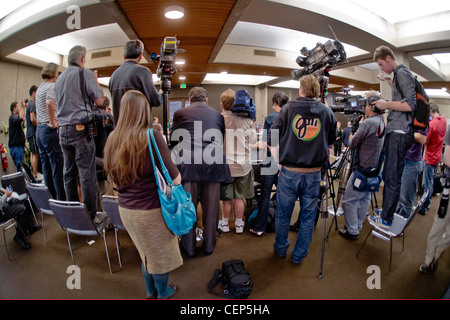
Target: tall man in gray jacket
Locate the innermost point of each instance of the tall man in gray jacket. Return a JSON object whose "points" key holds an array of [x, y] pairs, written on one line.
{"points": [[399, 131], [75, 137]]}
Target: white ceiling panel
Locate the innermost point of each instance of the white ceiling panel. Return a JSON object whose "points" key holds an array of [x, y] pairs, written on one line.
{"points": [[265, 36], [106, 36]]}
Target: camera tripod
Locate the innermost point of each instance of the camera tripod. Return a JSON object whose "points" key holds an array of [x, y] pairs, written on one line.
{"points": [[343, 169]]}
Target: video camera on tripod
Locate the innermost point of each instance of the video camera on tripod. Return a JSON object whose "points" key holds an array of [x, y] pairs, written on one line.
{"points": [[347, 104], [167, 57], [322, 57], [319, 61]]}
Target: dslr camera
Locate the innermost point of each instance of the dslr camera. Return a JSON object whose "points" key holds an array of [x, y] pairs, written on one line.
{"points": [[90, 125], [167, 57]]}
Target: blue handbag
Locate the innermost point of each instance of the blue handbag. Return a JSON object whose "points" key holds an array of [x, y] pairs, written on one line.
{"points": [[177, 207]]}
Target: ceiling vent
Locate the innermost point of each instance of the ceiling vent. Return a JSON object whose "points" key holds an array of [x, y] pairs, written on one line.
{"points": [[265, 53], [101, 54]]}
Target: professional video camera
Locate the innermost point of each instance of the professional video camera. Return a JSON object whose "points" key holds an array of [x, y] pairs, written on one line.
{"points": [[167, 57], [322, 57], [347, 104], [319, 61]]}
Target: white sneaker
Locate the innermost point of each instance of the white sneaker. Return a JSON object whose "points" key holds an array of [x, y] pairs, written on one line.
{"points": [[223, 227], [239, 227]]}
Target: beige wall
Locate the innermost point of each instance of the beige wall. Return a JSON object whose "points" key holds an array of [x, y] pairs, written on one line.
{"points": [[15, 83], [17, 78]]}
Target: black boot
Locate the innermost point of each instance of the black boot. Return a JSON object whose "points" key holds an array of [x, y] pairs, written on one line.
{"points": [[34, 228], [21, 241]]}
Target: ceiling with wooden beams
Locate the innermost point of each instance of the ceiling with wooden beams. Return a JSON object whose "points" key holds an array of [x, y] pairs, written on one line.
{"points": [[222, 35], [197, 31]]}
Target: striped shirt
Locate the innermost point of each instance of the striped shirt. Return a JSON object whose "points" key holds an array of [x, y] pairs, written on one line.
{"points": [[44, 94]]}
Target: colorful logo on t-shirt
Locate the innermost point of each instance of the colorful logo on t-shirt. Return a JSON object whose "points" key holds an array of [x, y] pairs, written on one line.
{"points": [[306, 129]]}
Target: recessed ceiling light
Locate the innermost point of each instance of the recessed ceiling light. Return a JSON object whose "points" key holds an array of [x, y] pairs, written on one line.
{"points": [[182, 77], [174, 12], [180, 61]]}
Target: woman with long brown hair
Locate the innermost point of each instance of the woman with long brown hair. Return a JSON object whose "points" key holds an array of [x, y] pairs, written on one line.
{"points": [[128, 165]]}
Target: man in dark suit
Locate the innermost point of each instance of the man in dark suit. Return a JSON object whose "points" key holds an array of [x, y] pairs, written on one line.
{"points": [[197, 142], [132, 76]]}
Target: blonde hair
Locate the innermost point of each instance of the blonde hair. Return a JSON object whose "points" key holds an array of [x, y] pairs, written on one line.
{"points": [[126, 147], [49, 71], [310, 86], [227, 99]]}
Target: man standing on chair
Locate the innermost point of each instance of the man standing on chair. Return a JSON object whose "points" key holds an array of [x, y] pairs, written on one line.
{"points": [[399, 131], [132, 76], [75, 120]]}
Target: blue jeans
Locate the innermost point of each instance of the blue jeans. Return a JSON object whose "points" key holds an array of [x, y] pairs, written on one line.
{"points": [[291, 186], [408, 189], [428, 184], [267, 181], [79, 162], [52, 159], [396, 145], [16, 155], [355, 205]]}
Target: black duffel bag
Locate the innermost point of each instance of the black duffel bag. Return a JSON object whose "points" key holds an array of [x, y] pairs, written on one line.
{"points": [[235, 278]]}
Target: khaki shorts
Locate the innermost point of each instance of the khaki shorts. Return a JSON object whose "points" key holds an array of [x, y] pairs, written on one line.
{"points": [[239, 188]]}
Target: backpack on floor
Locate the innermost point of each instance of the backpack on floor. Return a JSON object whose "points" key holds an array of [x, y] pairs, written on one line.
{"points": [[235, 278]]}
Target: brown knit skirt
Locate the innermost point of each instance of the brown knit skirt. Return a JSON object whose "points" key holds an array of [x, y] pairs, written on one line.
{"points": [[157, 245]]}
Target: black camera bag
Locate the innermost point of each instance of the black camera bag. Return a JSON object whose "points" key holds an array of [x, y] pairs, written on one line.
{"points": [[235, 278]]}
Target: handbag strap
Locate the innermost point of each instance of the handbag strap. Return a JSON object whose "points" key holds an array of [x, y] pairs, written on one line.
{"points": [[151, 141]]}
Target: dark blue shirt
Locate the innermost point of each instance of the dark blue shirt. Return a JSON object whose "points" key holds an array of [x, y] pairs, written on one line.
{"points": [[132, 76], [31, 128]]}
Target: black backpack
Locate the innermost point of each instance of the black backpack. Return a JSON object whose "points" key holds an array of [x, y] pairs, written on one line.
{"points": [[421, 115], [235, 278]]}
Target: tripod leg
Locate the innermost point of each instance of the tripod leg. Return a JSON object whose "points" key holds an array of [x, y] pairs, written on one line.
{"points": [[324, 214], [370, 232]]}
